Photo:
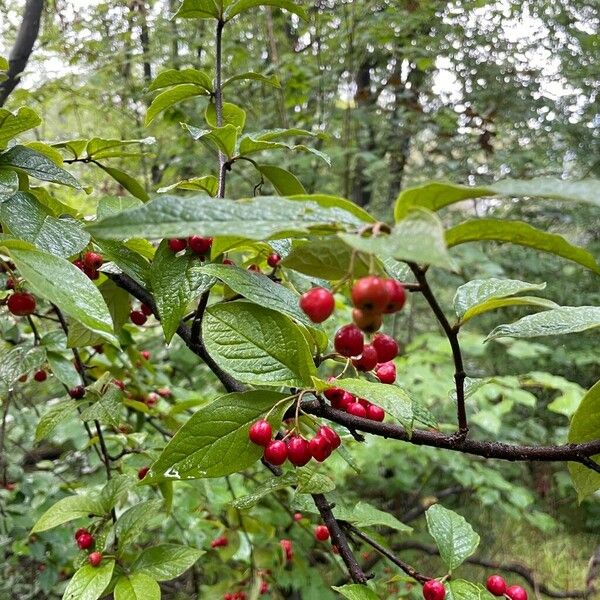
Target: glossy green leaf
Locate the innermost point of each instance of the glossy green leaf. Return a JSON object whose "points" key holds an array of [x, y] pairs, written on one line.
{"points": [[417, 238], [252, 76], [105, 408], [231, 115], [522, 234], [257, 345], [60, 282], [128, 182], [55, 415], [255, 218], [99, 148], [328, 201], [136, 586], [9, 183], [89, 582], [173, 77], [364, 514], [496, 303], [250, 144], [214, 441], [453, 536], [176, 281], [37, 165], [266, 487], [63, 368], [208, 184], [172, 96], [459, 589], [50, 151], [284, 182], [166, 561], [68, 509], [126, 260], [133, 522], [310, 481], [239, 6], [556, 321], [112, 205], [115, 490], [12, 124], [220, 139], [18, 361], [28, 219], [585, 425], [200, 9], [356, 591]]}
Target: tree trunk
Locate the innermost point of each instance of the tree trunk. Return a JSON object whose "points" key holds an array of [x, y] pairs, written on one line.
{"points": [[21, 51]]}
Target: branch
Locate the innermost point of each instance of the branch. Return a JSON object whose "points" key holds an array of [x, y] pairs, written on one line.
{"points": [[452, 335]]}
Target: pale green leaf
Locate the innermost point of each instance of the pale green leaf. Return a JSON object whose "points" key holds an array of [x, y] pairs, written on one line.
{"points": [[200, 9], [172, 96], [128, 182], [242, 5], [173, 77], [231, 115], [89, 582], [166, 561], [133, 522], [496, 303], [266, 487], [459, 589], [12, 124], [68, 509], [356, 591], [136, 586], [251, 75], [208, 184], [222, 139], [284, 182], [55, 415]]}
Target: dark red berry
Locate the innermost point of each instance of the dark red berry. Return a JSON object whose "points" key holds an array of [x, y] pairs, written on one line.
{"points": [[138, 317], [177, 245], [298, 451], [367, 360], [375, 413], [77, 392], [434, 590], [273, 259], [164, 392], [40, 375], [349, 341], [79, 264], [79, 532], [143, 472], [85, 541], [95, 558], [199, 244], [10, 284], [397, 296], [261, 432], [321, 533], [118, 383], [298, 516], [370, 294], [356, 409], [496, 585], [264, 587], [254, 268], [275, 452], [228, 261], [21, 304], [219, 542], [320, 448], [23, 378], [93, 260], [318, 304], [367, 321], [344, 401], [386, 346], [145, 354], [516, 592], [334, 395], [331, 435], [386, 373], [91, 272], [146, 309], [286, 546]]}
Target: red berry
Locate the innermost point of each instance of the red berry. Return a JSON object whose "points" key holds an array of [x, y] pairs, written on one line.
{"points": [[85, 540], [273, 259], [434, 590], [10, 284], [349, 340], [386, 373], [146, 309], [516, 592], [286, 546], [321, 533], [370, 294], [151, 399], [177, 245], [199, 244], [331, 435], [93, 260], [219, 542], [367, 321], [264, 587], [261, 432], [386, 346], [23, 378], [318, 304], [79, 532], [228, 261], [496, 585], [79, 264], [367, 360], [345, 400], [40, 375], [99, 348], [21, 304], [275, 452], [397, 296], [254, 268], [164, 392], [118, 383], [95, 558], [298, 451], [91, 272], [298, 516], [77, 392], [375, 413], [145, 354], [138, 317], [357, 409], [334, 395], [320, 448], [143, 472]]}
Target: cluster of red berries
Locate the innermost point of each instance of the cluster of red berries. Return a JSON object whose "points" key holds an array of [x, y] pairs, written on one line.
{"points": [[197, 244], [89, 263], [140, 316], [21, 304], [359, 407], [496, 585], [85, 540], [297, 449]]}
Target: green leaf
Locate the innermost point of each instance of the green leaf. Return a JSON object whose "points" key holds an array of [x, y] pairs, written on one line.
{"points": [[63, 369], [89, 582], [310, 481], [585, 425], [478, 291], [364, 514], [28, 219], [68, 509], [260, 289], [251, 75], [75, 147], [328, 201], [232, 115], [55, 415], [18, 361], [37, 165], [522, 234], [214, 441], [200, 9], [166, 561], [172, 96], [12, 125], [208, 184], [222, 139], [255, 218], [127, 181], [459, 589], [112, 205], [251, 144], [242, 5], [62, 283], [495, 303], [393, 399], [176, 281], [9, 183], [418, 238], [556, 321], [115, 490], [453, 536], [126, 260], [356, 591], [98, 148], [266, 487], [284, 182], [106, 407], [257, 345], [132, 523], [136, 586], [173, 77]]}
